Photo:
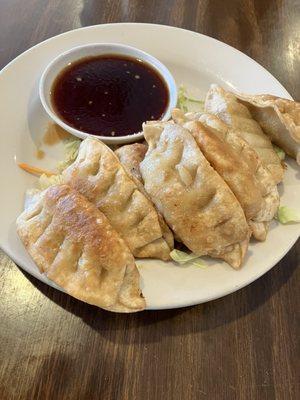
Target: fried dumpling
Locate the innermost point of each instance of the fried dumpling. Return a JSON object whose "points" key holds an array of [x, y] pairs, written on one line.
{"points": [[260, 222], [131, 155], [98, 174], [279, 118], [244, 169], [230, 110], [230, 166], [194, 200], [75, 246]]}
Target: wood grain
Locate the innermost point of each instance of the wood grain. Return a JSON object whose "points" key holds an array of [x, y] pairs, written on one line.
{"points": [[243, 346]]}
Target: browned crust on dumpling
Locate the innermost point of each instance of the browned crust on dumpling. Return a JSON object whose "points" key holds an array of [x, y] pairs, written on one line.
{"points": [[98, 174], [194, 200], [131, 156], [230, 166], [247, 155], [75, 246]]}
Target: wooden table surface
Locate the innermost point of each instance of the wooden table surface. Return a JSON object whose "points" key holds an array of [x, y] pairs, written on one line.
{"points": [[243, 346]]}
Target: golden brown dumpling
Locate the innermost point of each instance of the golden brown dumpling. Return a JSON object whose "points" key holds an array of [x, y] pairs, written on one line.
{"points": [[194, 200], [230, 166], [75, 246], [98, 174], [240, 167], [227, 107], [131, 156], [279, 118]]}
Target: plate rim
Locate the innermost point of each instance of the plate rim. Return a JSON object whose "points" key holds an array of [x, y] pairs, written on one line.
{"points": [[163, 26]]}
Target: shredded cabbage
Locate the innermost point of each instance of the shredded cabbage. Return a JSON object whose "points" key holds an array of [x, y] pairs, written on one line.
{"points": [[199, 263], [182, 257], [71, 147], [46, 181], [186, 103], [286, 214], [279, 151]]}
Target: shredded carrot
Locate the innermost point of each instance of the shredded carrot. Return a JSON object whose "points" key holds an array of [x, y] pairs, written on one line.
{"points": [[35, 170]]}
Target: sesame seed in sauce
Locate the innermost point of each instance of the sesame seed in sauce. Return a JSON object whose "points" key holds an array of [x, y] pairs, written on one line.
{"points": [[120, 89]]}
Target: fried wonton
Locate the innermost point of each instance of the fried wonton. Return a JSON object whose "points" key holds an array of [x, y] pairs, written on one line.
{"points": [[279, 118], [75, 246], [194, 200], [243, 168], [98, 174], [230, 110]]}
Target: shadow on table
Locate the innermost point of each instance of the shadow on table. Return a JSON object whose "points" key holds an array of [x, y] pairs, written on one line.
{"points": [[177, 321]]}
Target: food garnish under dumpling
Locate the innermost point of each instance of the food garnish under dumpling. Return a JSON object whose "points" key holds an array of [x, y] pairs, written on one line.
{"points": [[98, 174], [230, 110], [130, 156], [194, 200], [76, 247], [239, 165], [278, 117]]}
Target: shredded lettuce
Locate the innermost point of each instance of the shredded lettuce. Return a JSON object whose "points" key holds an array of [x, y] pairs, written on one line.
{"points": [[186, 103], [279, 151], [182, 257], [286, 214], [71, 147], [199, 263]]}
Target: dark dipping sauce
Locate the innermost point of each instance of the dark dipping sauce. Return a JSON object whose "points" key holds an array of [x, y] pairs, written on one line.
{"points": [[109, 95]]}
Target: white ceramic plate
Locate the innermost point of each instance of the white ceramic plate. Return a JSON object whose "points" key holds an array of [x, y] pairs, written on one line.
{"points": [[196, 61]]}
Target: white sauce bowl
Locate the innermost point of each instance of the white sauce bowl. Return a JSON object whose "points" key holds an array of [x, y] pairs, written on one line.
{"points": [[63, 60]]}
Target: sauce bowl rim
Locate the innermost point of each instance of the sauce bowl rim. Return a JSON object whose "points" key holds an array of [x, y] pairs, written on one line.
{"points": [[54, 69]]}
